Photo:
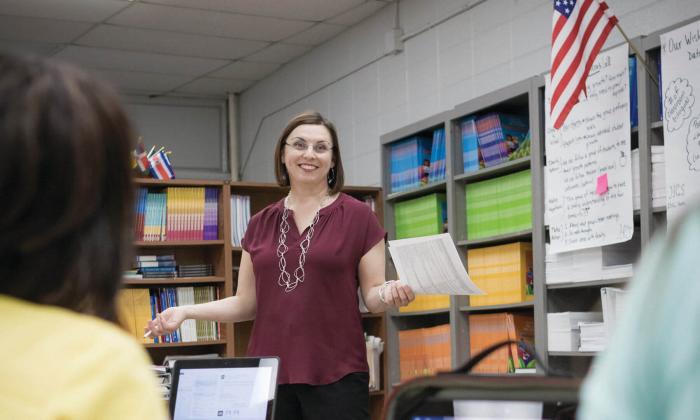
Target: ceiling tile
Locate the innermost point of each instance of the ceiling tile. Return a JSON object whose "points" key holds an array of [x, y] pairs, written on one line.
{"points": [[245, 70], [129, 80], [22, 47], [318, 34], [278, 53], [215, 87], [40, 30], [358, 14], [311, 10], [195, 21], [75, 10], [108, 59], [148, 40]]}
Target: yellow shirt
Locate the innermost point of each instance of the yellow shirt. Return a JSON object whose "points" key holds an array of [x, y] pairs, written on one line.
{"points": [[58, 364]]}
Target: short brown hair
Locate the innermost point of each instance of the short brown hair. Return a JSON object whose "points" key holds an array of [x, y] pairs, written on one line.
{"points": [[66, 187], [335, 183]]}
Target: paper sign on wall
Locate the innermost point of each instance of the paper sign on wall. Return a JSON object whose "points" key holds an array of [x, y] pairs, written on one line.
{"points": [[680, 68], [589, 168]]}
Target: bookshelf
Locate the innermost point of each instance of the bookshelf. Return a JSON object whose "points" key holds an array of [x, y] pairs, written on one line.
{"points": [[189, 251], [524, 98]]}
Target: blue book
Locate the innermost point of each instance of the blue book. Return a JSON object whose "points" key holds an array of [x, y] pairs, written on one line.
{"points": [[154, 310]]}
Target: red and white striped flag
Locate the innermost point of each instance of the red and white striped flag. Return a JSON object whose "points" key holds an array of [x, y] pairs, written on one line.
{"points": [[579, 30]]}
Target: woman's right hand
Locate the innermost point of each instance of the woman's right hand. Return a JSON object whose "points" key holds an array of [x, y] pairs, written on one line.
{"points": [[166, 322]]}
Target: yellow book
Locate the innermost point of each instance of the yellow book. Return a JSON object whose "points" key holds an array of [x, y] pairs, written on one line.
{"points": [[142, 312], [125, 310], [503, 272]]}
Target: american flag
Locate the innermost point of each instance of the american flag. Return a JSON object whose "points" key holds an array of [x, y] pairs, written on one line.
{"points": [[579, 30]]}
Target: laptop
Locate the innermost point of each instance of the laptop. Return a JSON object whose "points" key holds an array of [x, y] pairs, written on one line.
{"points": [[224, 389]]}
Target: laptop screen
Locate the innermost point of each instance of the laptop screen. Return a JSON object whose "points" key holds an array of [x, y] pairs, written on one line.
{"points": [[240, 388]]}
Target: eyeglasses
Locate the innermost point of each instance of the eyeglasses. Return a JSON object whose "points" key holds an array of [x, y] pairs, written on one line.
{"points": [[320, 148]]}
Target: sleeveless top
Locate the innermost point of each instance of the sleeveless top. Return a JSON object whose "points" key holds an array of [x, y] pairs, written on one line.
{"points": [[316, 329]]}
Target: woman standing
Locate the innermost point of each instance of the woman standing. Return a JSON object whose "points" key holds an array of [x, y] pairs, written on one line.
{"points": [[303, 260]]}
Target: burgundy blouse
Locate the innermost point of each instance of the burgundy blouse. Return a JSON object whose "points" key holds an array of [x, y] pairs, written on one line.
{"points": [[316, 329]]}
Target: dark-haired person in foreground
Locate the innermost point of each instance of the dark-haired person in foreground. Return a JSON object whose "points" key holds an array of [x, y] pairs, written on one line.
{"points": [[66, 201]]}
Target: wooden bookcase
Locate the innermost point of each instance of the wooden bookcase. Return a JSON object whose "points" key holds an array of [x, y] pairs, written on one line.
{"points": [[226, 259]]}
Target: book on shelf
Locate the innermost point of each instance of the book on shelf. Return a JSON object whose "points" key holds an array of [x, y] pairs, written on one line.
{"points": [[470, 145], [240, 217], [424, 351], [499, 206], [499, 135], [137, 306], [486, 330], [408, 160], [437, 159], [503, 272], [177, 214]]}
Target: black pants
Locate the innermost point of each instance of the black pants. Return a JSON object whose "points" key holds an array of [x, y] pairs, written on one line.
{"points": [[346, 399]]}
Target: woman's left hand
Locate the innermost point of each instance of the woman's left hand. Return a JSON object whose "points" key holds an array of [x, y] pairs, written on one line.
{"points": [[398, 294]]}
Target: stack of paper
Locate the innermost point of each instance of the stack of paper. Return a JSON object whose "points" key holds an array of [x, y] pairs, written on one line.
{"points": [[658, 178], [563, 331], [612, 301], [593, 336], [590, 264]]}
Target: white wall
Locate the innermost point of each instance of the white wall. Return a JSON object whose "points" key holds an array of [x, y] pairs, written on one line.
{"points": [[367, 93]]}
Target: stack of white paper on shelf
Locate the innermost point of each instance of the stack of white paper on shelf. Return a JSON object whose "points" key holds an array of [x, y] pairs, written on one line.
{"points": [[612, 300], [658, 178], [591, 264], [593, 336], [563, 331]]}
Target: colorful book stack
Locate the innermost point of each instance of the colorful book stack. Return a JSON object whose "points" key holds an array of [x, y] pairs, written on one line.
{"points": [[504, 272], [240, 216], [408, 159], [177, 214], [499, 135], [422, 216], [437, 157], [488, 329], [499, 205], [424, 351], [470, 145], [139, 305], [156, 266]]}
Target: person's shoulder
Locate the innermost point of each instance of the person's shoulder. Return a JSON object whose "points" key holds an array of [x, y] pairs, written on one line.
{"points": [[272, 210]]}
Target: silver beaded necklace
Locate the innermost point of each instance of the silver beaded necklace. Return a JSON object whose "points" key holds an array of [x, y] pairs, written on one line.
{"points": [[285, 279]]}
